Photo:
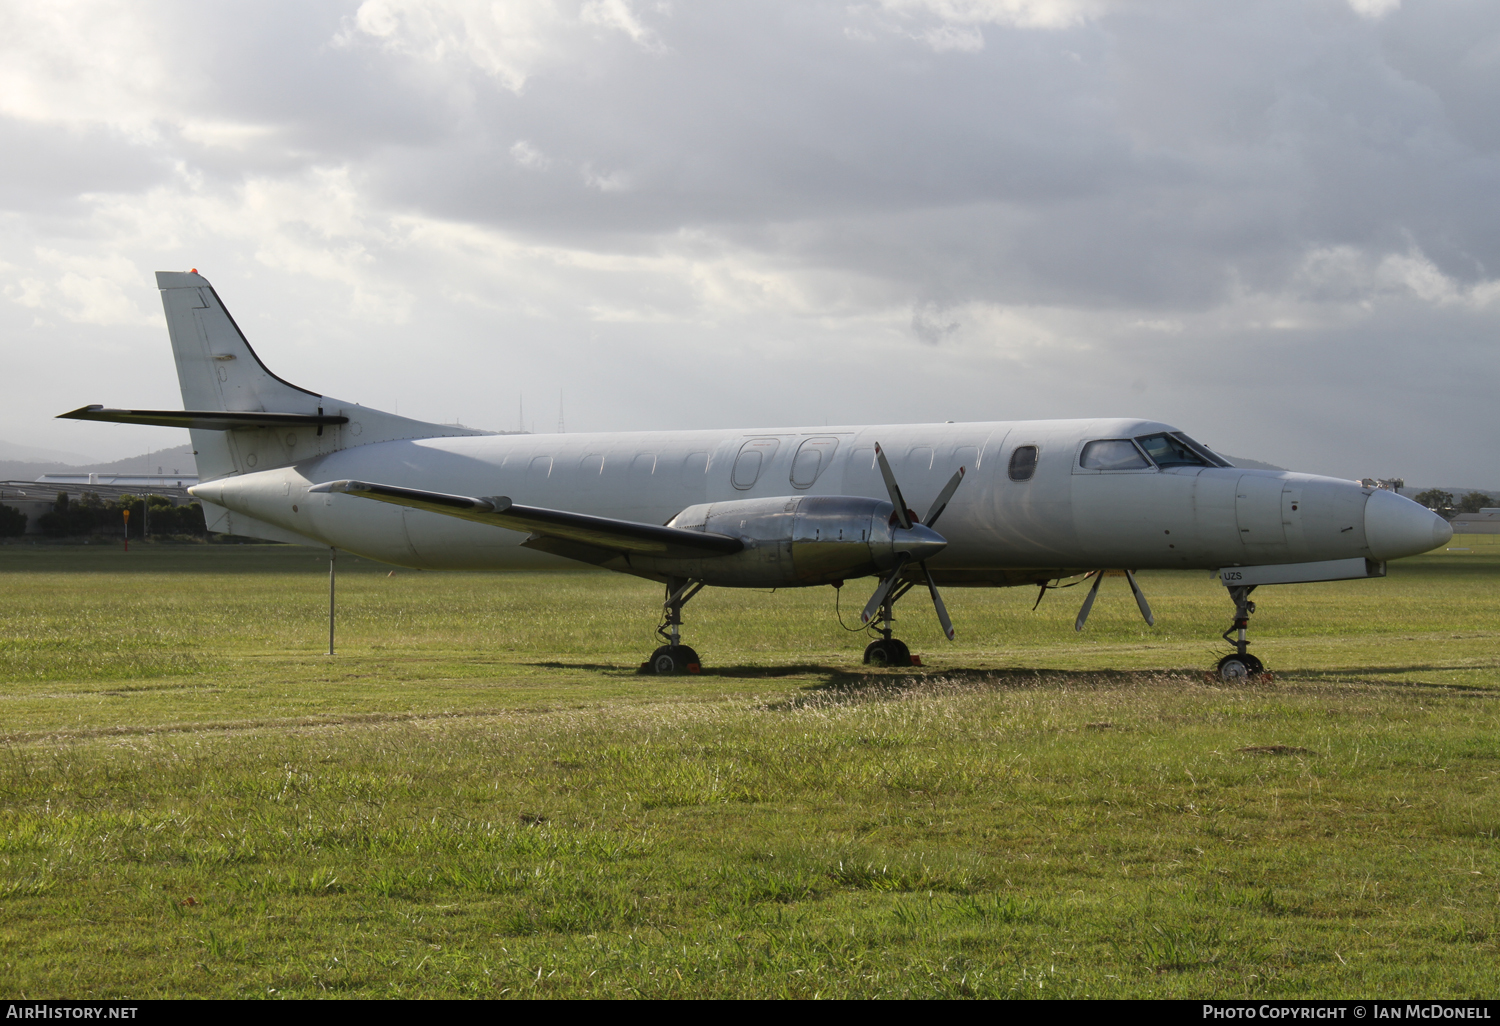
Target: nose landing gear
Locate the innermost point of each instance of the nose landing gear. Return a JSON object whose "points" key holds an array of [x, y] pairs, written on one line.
{"points": [[888, 650], [674, 658], [1240, 664]]}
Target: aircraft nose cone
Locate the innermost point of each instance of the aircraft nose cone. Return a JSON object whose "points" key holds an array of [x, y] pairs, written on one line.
{"points": [[918, 543], [1396, 526]]}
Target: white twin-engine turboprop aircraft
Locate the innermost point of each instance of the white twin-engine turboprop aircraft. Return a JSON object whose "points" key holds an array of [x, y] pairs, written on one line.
{"points": [[1020, 502]]}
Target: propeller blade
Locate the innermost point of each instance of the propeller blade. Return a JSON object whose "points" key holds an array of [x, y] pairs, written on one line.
{"points": [[1140, 600], [893, 488], [941, 502], [937, 603], [1088, 603], [878, 599]]}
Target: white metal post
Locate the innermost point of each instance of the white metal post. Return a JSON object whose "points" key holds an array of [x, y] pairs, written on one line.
{"points": [[332, 562]]}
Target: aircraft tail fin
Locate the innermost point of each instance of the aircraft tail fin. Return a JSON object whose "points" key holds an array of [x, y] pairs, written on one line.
{"points": [[216, 367], [218, 371]]}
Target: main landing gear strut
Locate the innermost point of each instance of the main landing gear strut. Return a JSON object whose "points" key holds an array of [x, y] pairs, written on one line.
{"points": [[674, 657], [1240, 664]]}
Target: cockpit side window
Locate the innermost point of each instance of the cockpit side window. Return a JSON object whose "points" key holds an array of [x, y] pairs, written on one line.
{"points": [[1112, 454], [1023, 463], [1178, 450]]}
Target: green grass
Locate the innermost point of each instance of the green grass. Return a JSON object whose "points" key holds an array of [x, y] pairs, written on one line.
{"points": [[479, 796]]}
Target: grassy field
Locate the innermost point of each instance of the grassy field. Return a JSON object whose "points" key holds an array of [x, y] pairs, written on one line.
{"points": [[478, 796]]}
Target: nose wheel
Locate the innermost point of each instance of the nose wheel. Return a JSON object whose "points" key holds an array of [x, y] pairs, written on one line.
{"points": [[888, 650], [1238, 667], [1240, 664]]}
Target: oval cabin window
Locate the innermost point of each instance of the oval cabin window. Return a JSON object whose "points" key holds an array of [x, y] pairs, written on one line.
{"points": [[642, 467], [747, 469], [813, 456], [805, 467], [1023, 463], [753, 455]]}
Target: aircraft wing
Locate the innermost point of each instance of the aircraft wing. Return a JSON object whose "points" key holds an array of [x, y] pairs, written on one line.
{"points": [[548, 525], [213, 420]]}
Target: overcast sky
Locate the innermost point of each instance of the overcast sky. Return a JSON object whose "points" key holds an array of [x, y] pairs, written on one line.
{"points": [[1275, 225]]}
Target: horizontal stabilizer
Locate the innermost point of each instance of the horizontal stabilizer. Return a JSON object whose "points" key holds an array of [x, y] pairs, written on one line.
{"points": [[211, 420], [601, 532]]}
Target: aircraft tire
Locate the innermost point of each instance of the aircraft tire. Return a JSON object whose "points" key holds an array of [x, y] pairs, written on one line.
{"points": [[673, 660], [1238, 667], [887, 653]]}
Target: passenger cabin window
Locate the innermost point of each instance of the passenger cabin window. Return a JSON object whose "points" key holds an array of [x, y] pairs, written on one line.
{"points": [[1112, 454], [813, 456], [747, 469], [1173, 451], [1023, 463], [642, 467], [747, 465]]}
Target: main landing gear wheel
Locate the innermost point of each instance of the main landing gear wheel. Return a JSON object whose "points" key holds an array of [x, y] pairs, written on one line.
{"points": [[672, 661], [674, 657], [1237, 667], [887, 652]]}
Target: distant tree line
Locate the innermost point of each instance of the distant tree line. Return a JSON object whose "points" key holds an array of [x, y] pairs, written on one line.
{"points": [[93, 515], [1443, 504]]}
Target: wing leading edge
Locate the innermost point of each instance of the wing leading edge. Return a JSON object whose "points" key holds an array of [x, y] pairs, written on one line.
{"points": [[547, 525]]}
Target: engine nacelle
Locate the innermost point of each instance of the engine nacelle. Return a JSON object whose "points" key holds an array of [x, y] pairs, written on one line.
{"points": [[797, 540]]}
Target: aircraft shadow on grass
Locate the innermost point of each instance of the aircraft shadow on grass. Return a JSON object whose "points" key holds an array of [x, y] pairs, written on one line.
{"points": [[844, 684], [795, 670], [1355, 671], [832, 679]]}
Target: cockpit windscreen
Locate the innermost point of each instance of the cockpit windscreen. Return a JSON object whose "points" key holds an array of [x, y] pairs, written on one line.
{"points": [[1178, 450]]}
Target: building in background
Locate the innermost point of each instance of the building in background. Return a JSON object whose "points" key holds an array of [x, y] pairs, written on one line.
{"points": [[36, 498], [1486, 521], [132, 482]]}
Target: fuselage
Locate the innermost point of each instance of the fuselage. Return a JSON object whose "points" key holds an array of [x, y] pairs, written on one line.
{"points": [[1065, 517]]}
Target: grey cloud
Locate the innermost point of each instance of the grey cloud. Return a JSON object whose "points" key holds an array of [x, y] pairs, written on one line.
{"points": [[48, 166], [932, 324], [1249, 171], [1164, 155]]}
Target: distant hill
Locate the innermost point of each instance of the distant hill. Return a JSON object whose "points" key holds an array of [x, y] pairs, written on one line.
{"points": [[10, 452], [1409, 490], [1245, 464], [177, 458], [1455, 490]]}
